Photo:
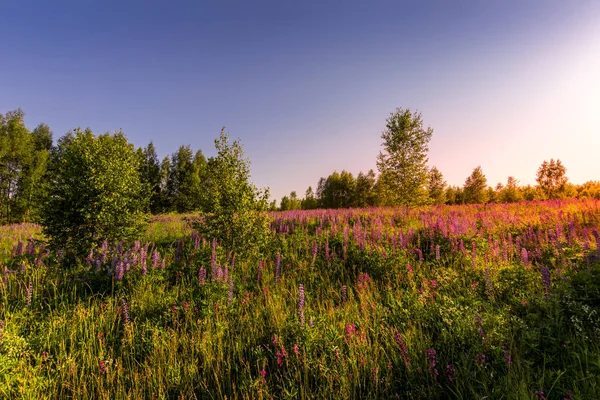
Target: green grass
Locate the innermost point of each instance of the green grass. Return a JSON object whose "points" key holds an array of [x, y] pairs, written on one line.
{"points": [[186, 340]]}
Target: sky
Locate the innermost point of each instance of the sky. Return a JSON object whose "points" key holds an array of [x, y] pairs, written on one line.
{"points": [[307, 85]]}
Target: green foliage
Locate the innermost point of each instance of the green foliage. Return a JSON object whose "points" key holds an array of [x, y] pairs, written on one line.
{"points": [[436, 187], [291, 203], [309, 202], [150, 178], [183, 183], [16, 148], [510, 193], [337, 191], [165, 203], [475, 189], [95, 193], [402, 163], [234, 208], [186, 339], [551, 179], [365, 194]]}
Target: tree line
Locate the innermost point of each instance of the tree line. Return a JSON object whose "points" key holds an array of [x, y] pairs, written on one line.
{"points": [[30, 164], [181, 182], [405, 179], [96, 190]]}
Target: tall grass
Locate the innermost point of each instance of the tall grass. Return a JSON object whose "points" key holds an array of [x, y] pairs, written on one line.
{"points": [[416, 320]]}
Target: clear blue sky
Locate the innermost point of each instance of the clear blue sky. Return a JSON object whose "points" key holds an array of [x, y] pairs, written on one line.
{"points": [[307, 85]]}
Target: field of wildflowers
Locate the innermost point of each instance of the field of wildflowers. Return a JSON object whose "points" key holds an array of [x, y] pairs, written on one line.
{"points": [[481, 301]]}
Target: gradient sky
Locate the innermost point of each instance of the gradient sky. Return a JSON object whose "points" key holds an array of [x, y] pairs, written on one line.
{"points": [[307, 85]]}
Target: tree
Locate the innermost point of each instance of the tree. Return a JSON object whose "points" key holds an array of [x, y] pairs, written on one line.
{"points": [[42, 137], [436, 187], [166, 203], [95, 194], [510, 193], [337, 191], [475, 189], [402, 163], [16, 153], [551, 179], [290, 203], [183, 183], [150, 177], [234, 209], [309, 202], [364, 194]]}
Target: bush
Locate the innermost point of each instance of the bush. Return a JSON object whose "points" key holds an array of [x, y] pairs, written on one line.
{"points": [[96, 192]]}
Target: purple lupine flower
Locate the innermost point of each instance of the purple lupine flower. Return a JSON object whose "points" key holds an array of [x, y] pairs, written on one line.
{"points": [[226, 274], [315, 248], [144, 256], [432, 360], [142, 261], [437, 252], [30, 248], [450, 372], [277, 267], [301, 303], [230, 296], [201, 276], [178, 250], [125, 311], [155, 259], [19, 249], [119, 270], [473, 255], [546, 283], [344, 294], [196, 239], [403, 352], [104, 252], [461, 247], [524, 257], [419, 253], [41, 254], [29, 295]]}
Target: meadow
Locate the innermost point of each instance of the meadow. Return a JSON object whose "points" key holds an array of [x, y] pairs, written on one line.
{"points": [[474, 301]]}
